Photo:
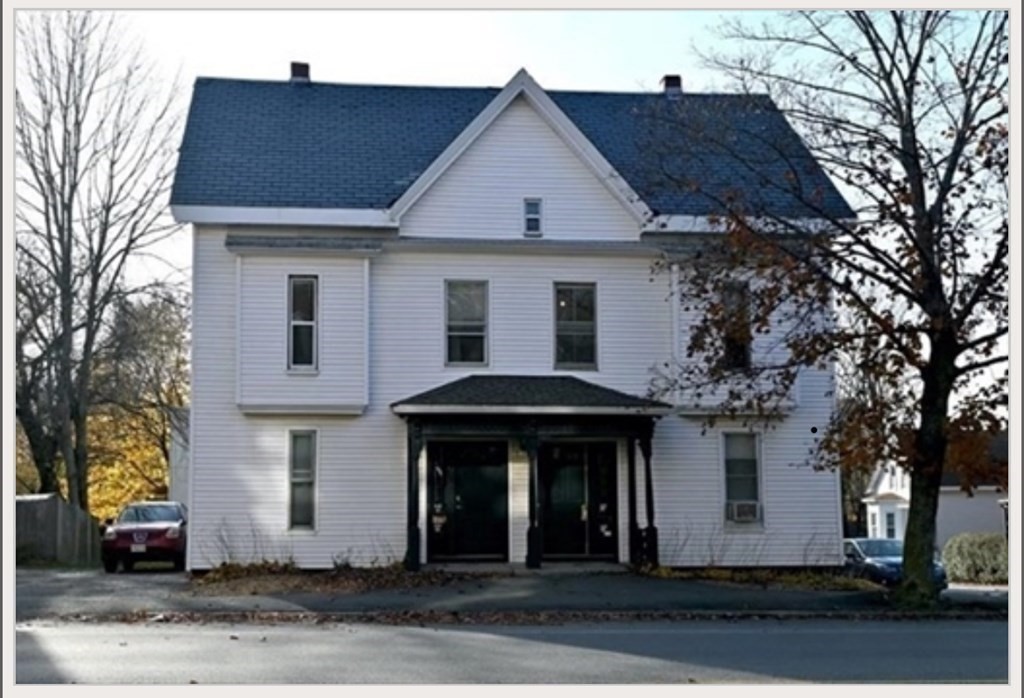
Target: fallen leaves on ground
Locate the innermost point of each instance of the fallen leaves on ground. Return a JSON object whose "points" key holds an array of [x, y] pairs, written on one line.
{"points": [[264, 579], [443, 618]]}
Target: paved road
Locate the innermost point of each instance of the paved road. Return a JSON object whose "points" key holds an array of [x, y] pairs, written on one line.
{"points": [[700, 651]]}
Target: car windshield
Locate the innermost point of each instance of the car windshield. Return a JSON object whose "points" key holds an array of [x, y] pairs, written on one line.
{"points": [[157, 512], [884, 547]]}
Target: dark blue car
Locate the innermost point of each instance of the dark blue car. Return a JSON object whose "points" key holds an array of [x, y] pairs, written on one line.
{"points": [[881, 561]]}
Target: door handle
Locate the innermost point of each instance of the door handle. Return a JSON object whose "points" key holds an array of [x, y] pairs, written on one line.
{"points": [[583, 511]]}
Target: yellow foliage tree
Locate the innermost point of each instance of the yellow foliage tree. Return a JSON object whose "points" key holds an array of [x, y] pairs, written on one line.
{"points": [[26, 479], [125, 465]]}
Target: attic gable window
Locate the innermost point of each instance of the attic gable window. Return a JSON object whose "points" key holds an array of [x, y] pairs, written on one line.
{"points": [[532, 218]]}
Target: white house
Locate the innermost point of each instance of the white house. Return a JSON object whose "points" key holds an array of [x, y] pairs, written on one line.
{"points": [[982, 510], [424, 328]]}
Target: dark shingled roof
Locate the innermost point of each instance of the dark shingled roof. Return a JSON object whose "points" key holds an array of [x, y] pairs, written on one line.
{"points": [[317, 145], [528, 391]]}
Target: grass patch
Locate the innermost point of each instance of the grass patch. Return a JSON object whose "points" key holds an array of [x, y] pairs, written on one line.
{"points": [[806, 580], [268, 578]]}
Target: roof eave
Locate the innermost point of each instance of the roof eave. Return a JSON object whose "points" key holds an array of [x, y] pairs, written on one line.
{"points": [[281, 215]]}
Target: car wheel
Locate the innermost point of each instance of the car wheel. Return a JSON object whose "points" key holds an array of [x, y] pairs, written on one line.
{"points": [[110, 564], [127, 564], [179, 562]]}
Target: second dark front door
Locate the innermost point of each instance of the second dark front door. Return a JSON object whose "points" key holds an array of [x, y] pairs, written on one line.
{"points": [[578, 495], [467, 510]]}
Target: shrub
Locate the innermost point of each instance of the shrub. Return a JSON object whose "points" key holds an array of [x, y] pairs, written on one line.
{"points": [[235, 570], [976, 558]]}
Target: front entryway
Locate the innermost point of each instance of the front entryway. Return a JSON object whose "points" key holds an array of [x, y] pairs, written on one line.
{"points": [[467, 507], [578, 495]]}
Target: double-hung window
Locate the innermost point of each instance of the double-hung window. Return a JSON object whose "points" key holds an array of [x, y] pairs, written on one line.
{"points": [[890, 524], [302, 314], [532, 218], [738, 337], [302, 479], [576, 326], [466, 323], [742, 489]]}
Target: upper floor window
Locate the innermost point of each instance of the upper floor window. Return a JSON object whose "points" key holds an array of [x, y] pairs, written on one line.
{"points": [[532, 217], [576, 326], [742, 487], [302, 313], [738, 337], [466, 322]]}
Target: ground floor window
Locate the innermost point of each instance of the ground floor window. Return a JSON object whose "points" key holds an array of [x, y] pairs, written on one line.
{"points": [[890, 524], [302, 479]]}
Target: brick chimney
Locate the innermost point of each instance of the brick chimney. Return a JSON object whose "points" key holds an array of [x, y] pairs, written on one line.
{"points": [[300, 72], [673, 86]]}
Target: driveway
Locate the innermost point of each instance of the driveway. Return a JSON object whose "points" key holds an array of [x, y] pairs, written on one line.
{"points": [[48, 592]]}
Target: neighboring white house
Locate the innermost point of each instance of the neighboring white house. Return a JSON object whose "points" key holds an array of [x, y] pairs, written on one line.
{"points": [[424, 328], [983, 510]]}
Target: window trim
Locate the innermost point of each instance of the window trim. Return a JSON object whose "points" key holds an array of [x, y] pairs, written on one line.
{"points": [[554, 328], [313, 367], [743, 526], [529, 216], [315, 479], [487, 323]]}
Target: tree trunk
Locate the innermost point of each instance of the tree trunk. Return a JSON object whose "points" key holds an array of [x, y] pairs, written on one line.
{"points": [[918, 588], [81, 458], [44, 453]]}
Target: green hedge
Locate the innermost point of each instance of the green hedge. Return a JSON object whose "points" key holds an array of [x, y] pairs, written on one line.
{"points": [[976, 558]]}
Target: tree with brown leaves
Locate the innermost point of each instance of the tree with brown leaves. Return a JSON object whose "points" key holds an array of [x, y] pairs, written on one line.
{"points": [[908, 112]]}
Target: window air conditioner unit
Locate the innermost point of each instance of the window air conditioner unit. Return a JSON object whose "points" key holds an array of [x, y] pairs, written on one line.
{"points": [[743, 512]]}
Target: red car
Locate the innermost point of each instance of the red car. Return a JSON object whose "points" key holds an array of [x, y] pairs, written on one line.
{"points": [[145, 531]]}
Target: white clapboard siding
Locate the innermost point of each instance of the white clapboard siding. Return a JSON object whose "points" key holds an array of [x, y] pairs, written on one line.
{"points": [[341, 333], [240, 463], [519, 156], [801, 523]]}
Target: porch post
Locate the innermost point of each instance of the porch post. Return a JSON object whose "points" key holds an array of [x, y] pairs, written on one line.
{"points": [[650, 537], [534, 538], [634, 529], [413, 449]]}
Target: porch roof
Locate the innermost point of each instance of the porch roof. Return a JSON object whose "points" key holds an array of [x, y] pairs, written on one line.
{"points": [[488, 394]]}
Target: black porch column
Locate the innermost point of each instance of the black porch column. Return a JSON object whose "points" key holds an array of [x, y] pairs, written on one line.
{"points": [[650, 537], [534, 537], [634, 528], [413, 449]]}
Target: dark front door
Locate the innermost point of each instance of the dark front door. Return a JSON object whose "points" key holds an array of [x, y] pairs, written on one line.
{"points": [[467, 508], [578, 496]]}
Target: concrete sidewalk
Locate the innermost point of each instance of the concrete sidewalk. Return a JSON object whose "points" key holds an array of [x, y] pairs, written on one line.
{"points": [[49, 593]]}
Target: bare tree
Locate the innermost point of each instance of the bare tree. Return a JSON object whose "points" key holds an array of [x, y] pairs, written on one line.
{"points": [[908, 111], [95, 141], [142, 366]]}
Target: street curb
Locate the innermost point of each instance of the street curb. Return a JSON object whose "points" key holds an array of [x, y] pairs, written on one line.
{"points": [[507, 617]]}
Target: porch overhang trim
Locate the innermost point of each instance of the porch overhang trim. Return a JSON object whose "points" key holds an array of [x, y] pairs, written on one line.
{"points": [[528, 410]]}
